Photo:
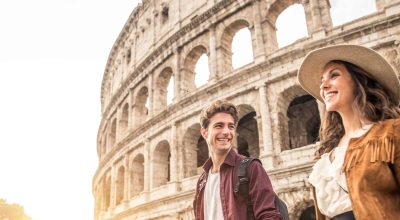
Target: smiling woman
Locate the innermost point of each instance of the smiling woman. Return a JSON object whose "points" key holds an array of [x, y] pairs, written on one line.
{"points": [[360, 133]]}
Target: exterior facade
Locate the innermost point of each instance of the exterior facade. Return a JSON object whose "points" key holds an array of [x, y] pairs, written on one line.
{"points": [[151, 151]]}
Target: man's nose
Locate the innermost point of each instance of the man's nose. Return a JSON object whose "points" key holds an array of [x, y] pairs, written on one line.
{"points": [[225, 129]]}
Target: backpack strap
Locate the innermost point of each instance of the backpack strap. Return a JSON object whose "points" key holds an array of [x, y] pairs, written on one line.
{"points": [[242, 184]]}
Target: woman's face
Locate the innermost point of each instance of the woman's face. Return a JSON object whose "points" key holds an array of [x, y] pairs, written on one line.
{"points": [[337, 88]]}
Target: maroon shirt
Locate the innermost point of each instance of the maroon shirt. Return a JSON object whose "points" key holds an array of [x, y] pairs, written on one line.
{"points": [[261, 193]]}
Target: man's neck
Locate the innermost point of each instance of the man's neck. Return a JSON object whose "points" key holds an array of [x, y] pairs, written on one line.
{"points": [[218, 158]]}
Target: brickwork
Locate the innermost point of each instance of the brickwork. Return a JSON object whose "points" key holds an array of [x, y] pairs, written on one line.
{"points": [[150, 151]]}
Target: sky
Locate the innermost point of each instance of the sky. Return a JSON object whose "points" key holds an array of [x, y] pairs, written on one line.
{"points": [[52, 59]]}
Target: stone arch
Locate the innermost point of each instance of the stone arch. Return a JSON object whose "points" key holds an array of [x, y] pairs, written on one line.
{"points": [[140, 110], [113, 132], [160, 92], [276, 7], [123, 123], [301, 208], [308, 214], [225, 49], [247, 130], [189, 64], [161, 164], [303, 121], [284, 101], [195, 150], [137, 175], [120, 185]]}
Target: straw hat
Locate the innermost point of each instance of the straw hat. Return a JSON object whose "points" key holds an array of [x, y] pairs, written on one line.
{"points": [[310, 71]]}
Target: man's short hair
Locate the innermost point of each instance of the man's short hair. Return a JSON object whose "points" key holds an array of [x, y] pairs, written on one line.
{"points": [[217, 107]]}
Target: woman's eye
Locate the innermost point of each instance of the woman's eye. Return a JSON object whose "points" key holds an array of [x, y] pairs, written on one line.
{"points": [[334, 75]]}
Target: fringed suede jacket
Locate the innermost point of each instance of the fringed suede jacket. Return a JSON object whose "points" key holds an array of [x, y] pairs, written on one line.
{"points": [[372, 169]]}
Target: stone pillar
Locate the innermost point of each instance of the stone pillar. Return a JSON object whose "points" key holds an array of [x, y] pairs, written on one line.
{"points": [[269, 31], [113, 187], [177, 75], [318, 17], [258, 49], [213, 64], [126, 197], [151, 95], [174, 154], [147, 159], [266, 128]]}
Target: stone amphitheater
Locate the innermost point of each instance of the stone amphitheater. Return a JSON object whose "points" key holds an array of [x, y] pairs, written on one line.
{"points": [[150, 149]]}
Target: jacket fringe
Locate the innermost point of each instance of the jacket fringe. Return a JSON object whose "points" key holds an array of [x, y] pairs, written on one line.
{"points": [[382, 149]]}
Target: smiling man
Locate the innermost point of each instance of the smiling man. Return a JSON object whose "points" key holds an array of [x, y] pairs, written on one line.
{"points": [[215, 198]]}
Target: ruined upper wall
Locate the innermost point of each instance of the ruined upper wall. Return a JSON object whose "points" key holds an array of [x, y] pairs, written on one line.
{"points": [[150, 24]]}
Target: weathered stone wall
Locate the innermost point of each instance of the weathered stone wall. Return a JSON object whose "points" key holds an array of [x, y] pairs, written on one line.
{"points": [[150, 152]]}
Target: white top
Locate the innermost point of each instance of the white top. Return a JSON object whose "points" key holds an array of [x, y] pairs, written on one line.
{"points": [[330, 182], [212, 198]]}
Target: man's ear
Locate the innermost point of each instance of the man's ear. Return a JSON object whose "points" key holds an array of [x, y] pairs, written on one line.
{"points": [[203, 132]]}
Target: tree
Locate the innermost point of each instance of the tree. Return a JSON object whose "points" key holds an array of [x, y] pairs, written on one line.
{"points": [[12, 211]]}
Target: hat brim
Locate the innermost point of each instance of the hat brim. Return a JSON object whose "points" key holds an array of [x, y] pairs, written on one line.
{"points": [[310, 71]]}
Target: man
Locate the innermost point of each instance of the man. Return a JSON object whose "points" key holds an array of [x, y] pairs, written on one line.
{"points": [[215, 199]]}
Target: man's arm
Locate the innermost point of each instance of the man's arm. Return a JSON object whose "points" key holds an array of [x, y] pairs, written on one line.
{"points": [[261, 193]]}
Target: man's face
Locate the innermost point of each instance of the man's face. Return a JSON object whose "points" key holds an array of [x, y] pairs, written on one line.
{"points": [[220, 133]]}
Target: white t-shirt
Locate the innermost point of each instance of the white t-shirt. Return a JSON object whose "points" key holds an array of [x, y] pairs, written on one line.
{"points": [[212, 198]]}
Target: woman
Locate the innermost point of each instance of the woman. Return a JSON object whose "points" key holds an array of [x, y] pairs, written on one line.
{"points": [[357, 175]]}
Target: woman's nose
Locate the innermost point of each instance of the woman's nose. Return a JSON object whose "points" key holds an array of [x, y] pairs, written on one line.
{"points": [[324, 84]]}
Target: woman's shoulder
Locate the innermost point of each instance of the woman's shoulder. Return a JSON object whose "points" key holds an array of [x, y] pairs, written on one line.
{"points": [[391, 126]]}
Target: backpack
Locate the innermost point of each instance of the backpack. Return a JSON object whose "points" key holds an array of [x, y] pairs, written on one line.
{"points": [[242, 187]]}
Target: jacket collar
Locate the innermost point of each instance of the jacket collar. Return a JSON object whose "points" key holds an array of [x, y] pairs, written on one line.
{"points": [[230, 160]]}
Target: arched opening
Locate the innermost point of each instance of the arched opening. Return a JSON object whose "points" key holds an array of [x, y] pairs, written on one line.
{"points": [[308, 214], [202, 72], [195, 72], [161, 92], [140, 109], [120, 185], [242, 49], [289, 29], [225, 51], [202, 152], [170, 90], [303, 120], [342, 11], [247, 130], [124, 118], [161, 164], [137, 175], [195, 150]]}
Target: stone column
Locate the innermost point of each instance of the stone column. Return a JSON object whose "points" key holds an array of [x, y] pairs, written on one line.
{"points": [[177, 75], [269, 31], [151, 94], [266, 128], [147, 159], [113, 187], [213, 64], [174, 154], [258, 49], [126, 197]]}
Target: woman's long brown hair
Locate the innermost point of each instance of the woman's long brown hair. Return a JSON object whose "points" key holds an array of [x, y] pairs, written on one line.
{"points": [[372, 103]]}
